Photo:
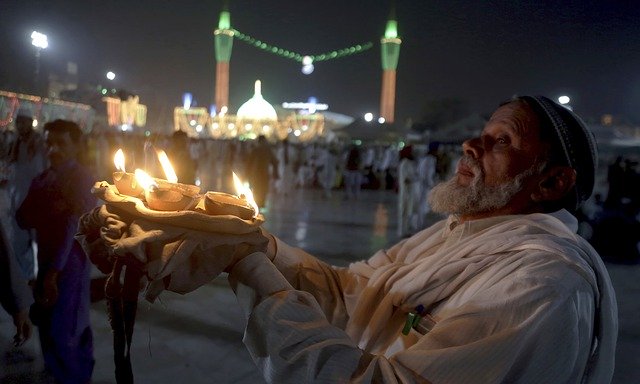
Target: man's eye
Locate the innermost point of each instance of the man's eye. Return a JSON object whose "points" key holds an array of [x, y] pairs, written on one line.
{"points": [[502, 140]]}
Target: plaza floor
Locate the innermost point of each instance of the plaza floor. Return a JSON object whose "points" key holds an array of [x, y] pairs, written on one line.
{"points": [[197, 338]]}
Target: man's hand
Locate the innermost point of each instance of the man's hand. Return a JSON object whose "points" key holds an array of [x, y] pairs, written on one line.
{"points": [[23, 327], [243, 250]]}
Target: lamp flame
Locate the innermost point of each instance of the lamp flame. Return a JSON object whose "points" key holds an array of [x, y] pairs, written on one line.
{"points": [[118, 160], [166, 166], [243, 191], [144, 180]]}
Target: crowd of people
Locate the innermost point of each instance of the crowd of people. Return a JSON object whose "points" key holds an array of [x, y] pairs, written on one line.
{"points": [[510, 200], [45, 274], [612, 224]]}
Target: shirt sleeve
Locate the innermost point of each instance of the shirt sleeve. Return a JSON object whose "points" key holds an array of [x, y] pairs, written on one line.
{"points": [[510, 332]]}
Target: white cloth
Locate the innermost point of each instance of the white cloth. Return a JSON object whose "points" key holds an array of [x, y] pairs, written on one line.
{"points": [[515, 299]]}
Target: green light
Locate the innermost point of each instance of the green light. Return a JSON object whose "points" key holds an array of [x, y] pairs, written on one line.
{"points": [[298, 57], [147, 133], [104, 91], [225, 20], [392, 29]]}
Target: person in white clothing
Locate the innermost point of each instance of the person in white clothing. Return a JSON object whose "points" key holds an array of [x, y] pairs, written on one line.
{"points": [[408, 187], [426, 171], [501, 291]]}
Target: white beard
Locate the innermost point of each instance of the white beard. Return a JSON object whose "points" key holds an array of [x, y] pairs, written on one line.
{"points": [[449, 197]]}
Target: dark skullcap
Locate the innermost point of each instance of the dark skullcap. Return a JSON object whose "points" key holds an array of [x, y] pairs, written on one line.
{"points": [[575, 139]]}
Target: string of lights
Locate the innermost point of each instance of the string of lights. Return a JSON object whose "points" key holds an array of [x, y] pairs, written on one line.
{"points": [[297, 56]]}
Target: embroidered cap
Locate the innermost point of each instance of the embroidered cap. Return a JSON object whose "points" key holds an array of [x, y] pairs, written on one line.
{"points": [[576, 140]]}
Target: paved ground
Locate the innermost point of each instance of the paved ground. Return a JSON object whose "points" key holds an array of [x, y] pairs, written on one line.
{"points": [[196, 338]]}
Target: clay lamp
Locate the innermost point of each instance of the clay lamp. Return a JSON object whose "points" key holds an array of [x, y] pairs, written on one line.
{"points": [[164, 195], [167, 195], [125, 182], [241, 205]]}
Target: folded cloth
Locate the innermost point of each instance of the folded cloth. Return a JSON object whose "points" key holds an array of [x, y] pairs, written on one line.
{"points": [[172, 257], [181, 259], [99, 230]]}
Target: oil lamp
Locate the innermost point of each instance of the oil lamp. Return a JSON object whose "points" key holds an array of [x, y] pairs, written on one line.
{"points": [[125, 182], [241, 205], [163, 195]]}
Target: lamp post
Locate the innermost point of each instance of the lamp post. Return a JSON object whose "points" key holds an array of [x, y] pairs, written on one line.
{"points": [[40, 41]]}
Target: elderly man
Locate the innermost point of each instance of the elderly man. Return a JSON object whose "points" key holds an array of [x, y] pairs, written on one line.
{"points": [[503, 290]]}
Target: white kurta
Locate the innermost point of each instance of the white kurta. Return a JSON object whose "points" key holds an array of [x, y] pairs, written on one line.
{"points": [[515, 299]]}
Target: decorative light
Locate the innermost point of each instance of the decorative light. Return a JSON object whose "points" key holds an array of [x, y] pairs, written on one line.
{"points": [[368, 116], [111, 75], [192, 123], [187, 98], [298, 57], [198, 128], [381, 120], [307, 69], [564, 99]]}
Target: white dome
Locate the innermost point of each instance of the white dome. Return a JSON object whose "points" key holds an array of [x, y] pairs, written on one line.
{"points": [[257, 108]]}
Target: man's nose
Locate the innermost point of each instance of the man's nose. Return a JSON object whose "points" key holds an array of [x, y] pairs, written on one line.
{"points": [[472, 147]]}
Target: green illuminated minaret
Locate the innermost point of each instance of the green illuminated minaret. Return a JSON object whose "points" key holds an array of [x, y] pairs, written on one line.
{"points": [[223, 45], [390, 45]]}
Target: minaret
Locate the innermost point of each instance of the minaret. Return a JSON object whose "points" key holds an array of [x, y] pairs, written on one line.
{"points": [[223, 44], [390, 45]]}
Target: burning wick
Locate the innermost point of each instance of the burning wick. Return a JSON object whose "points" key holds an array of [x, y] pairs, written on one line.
{"points": [[165, 196], [244, 192], [166, 166], [240, 205], [125, 182]]}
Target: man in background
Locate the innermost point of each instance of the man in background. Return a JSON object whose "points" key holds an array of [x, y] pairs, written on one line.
{"points": [[56, 199]]}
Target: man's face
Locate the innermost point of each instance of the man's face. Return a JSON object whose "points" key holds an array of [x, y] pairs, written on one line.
{"points": [[60, 147], [494, 175]]}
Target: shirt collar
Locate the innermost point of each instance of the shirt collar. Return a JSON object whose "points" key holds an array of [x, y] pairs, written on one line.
{"points": [[453, 228]]}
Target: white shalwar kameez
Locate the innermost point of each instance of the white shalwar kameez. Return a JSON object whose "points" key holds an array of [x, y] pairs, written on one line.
{"points": [[515, 299]]}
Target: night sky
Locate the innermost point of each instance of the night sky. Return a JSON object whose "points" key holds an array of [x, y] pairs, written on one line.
{"points": [[482, 52]]}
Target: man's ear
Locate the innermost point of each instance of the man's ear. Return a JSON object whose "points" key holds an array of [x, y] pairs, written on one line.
{"points": [[554, 184]]}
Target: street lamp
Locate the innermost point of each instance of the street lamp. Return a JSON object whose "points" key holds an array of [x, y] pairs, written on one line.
{"points": [[40, 41]]}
